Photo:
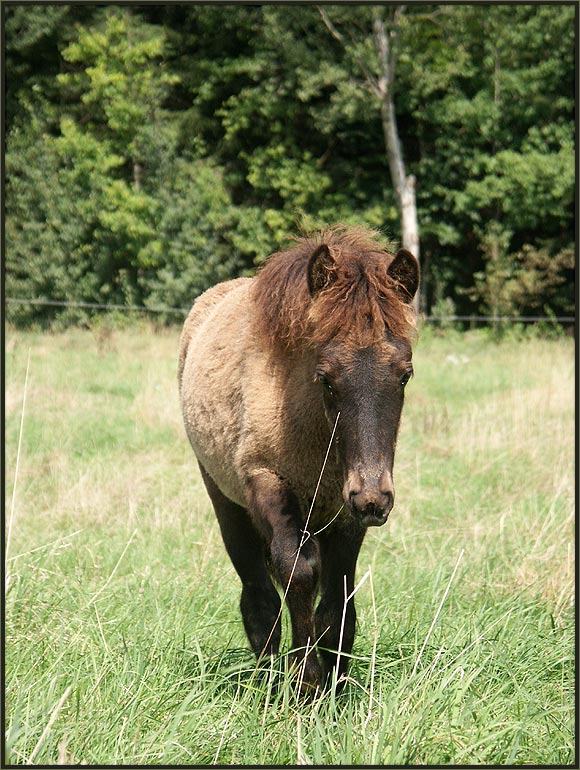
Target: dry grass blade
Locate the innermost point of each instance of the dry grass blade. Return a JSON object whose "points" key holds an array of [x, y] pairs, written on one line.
{"points": [[441, 603], [300, 758], [347, 598], [11, 517], [115, 568], [226, 725], [374, 650], [50, 723]]}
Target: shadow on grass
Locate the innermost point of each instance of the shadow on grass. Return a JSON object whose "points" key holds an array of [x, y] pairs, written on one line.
{"points": [[233, 673]]}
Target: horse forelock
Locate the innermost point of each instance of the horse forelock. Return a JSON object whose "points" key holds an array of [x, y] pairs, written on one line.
{"points": [[356, 307]]}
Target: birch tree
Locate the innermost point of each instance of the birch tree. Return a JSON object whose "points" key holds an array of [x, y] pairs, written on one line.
{"points": [[381, 83]]}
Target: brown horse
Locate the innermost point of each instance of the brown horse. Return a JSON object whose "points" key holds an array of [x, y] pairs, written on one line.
{"points": [[301, 367]]}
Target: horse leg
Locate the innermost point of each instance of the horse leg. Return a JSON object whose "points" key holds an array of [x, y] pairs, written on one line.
{"points": [[295, 565], [260, 603], [335, 624]]}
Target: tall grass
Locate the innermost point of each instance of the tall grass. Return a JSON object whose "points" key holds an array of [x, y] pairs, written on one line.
{"points": [[124, 643]]}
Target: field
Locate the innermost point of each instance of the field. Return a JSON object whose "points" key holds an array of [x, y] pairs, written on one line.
{"points": [[124, 643]]}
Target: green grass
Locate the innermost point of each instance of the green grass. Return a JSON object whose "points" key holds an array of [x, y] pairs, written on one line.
{"points": [[124, 642]]}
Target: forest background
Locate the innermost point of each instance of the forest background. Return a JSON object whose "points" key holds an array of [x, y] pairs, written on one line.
{"points": [[152, 151]]}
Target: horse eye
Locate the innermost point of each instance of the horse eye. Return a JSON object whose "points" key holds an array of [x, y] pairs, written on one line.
{"points": [[324, 380], [405, 378]]}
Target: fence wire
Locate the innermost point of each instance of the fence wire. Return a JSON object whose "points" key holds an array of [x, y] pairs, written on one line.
{"points": [[184, 311], [94, 305]]}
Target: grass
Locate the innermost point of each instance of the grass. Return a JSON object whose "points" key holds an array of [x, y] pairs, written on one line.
{"points": [[124, 643]]}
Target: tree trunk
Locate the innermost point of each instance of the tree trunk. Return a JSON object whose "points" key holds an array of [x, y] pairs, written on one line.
{"points": [[383, 88], [137, 175], [403, 185]]}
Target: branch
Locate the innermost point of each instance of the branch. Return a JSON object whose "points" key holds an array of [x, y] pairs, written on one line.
{"points": [[382, 48], [432, 17], [386, 48], [337, 35], [399, 11], [329, 25]]}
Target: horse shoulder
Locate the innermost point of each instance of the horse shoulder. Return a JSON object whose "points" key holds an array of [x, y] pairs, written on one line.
{"points": [[285, 432], [200, 313], [215, 347]]}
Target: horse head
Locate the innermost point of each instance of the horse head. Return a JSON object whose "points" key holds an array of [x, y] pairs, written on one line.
{"points": [[362, 372]]}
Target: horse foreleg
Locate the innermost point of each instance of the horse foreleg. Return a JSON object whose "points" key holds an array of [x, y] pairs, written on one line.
{"points": [[295, 563], [260, 603], [335, 617]]}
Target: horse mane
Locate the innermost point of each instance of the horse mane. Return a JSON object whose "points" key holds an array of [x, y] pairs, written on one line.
{"points": [[356, 307]]}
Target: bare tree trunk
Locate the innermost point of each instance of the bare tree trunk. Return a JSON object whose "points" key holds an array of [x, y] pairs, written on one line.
{"points": [[403, 184], [383, 88]]}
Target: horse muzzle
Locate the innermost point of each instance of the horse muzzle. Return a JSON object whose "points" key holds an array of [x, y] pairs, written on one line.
{"points": [[370, 506]]}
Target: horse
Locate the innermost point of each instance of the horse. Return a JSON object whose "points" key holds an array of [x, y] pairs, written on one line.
{"points": [[291, 386]]}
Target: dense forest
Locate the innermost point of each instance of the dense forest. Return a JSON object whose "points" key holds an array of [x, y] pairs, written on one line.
{"points": [[154, 150]]}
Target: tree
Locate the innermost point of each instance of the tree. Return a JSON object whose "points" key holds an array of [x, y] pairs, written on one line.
{"points": [[119, 83], [381, 83], [34, 36], [56, 196], [197, 237], [92, 212], [273, 117], [487, 106], [153, 150]]}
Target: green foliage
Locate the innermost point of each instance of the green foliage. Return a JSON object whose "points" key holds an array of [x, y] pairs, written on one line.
{"points": [[49, 223], [192, 247], [531, 188], [529, 280], [152, 150], [492, 105], [119, 83], [91, 219]]}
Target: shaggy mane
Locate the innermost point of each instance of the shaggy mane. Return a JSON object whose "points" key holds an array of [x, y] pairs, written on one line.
{"points": [[356, 307]]}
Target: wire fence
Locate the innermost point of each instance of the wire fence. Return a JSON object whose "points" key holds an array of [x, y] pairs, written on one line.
{"points": [[94, 305], [184, 311], [498, 318]]}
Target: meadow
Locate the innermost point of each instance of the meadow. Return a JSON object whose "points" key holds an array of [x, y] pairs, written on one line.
{"points": [[124, 642]]}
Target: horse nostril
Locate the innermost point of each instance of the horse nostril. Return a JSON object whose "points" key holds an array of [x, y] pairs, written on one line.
{"points": [[352, 495], [389, 500]]}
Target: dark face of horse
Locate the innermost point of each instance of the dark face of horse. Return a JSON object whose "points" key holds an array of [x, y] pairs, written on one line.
{"points": [[366, 387], [363, 387]]}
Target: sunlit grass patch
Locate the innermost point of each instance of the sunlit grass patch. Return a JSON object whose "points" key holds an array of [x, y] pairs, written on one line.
{"points": [[124, 643]]}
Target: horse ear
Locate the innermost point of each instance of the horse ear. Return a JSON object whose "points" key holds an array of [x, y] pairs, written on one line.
{"points": [[320, 269], [404, 270]]}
